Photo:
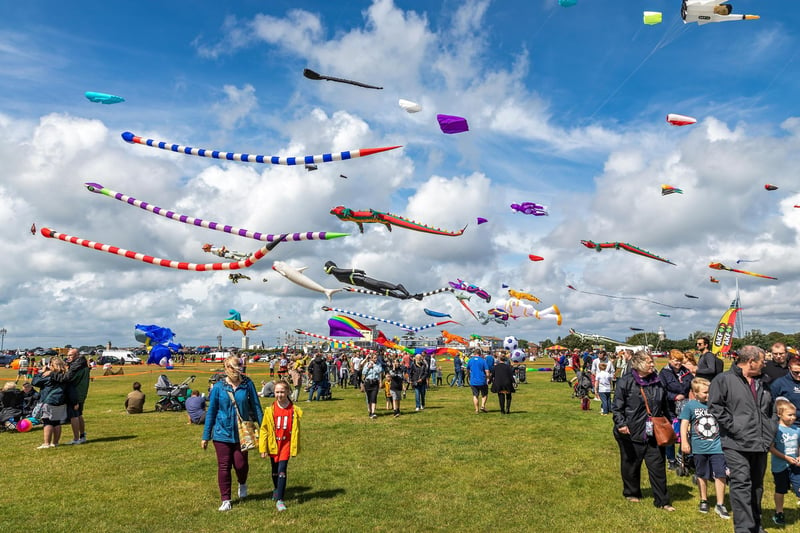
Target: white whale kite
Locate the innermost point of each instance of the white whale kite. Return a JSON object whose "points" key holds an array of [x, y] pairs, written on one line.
{"points": [[295, 275], [167, 263], [253, 158]]}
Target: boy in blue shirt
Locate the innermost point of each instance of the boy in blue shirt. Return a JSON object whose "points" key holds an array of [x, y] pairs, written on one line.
{"points": [[700, 437], [785, 462]]}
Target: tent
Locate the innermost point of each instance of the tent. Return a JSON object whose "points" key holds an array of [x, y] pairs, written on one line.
{"points": [[557, 347]]}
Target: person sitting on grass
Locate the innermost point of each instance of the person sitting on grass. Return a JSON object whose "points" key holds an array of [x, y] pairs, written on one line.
{"points": [[700, 437], [785, 457], [134, 403], [196, 408]]}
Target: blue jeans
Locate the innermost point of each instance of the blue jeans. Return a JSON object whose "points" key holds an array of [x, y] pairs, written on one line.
{"points": [[419, 394], [315, 387], [460, 377], [605, 402]]}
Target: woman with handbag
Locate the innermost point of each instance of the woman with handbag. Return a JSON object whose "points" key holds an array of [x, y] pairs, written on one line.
{"points": [[233, 408], [640, 407], [279, 438]]}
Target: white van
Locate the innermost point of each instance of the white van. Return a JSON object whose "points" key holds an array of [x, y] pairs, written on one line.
{"points": [[215, 357], [120, 357]]}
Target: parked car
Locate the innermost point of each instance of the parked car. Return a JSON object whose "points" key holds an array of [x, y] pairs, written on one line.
{"points": [[6, 359]]}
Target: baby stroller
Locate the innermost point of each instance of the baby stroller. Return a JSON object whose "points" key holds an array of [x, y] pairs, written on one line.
{"points": [[559, 374], [582, 388], [172, 397], [521, 376]]}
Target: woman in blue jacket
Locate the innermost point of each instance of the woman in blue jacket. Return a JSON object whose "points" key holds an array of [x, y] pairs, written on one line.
{"points": [[53, 396], [222, 427]]}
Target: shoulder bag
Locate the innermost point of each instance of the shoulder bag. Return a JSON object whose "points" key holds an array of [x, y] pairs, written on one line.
{"points": [[662, 428], [248, 429]]}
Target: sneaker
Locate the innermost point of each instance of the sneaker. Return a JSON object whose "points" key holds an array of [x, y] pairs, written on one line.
{"points": [[703, 507], [242, 490], [779, 519], [76, 441], [417, 409], [279, 505], [721, 511], [226, 506], [373, 416], [672, 465], [396, 415], [45, 446], [82, 440]]}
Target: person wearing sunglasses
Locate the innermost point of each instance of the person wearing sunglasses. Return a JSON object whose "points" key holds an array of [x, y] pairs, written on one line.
{"points": [[788, 386], [708, 364], [778, 366]]}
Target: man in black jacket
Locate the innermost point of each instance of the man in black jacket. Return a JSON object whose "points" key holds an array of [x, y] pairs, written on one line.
{"points": [[318, 372], [777, 366], [742, 406], [708, 364]]}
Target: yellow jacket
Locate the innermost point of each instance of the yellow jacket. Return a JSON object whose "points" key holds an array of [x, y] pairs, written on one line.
{"points": [[266, 437]]}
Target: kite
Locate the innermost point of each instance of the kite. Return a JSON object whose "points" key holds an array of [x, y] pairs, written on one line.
{"points": [[167, 263], [680, 120], [770, 187], [385, 342], [387, 219], [295, 275], [746, 261], [691, 296], [652, 18], [348, 344], [594, 337], [343, 176], [705, 11], [150, 335], [669, 189], [517, 309], [628, 298], [354, 276], [236, 277], [567, 3], [530, 208], [636, 329], [223, 252], [311, 168], [723, 336], [409, 106], [720, 266], [436, 314], [450, 337], [310, 74], [482, 220], [264, 237], [33, 229], [452, 124], [103, 98], [624, 246], [535, 257], [663, 314], [712, 279], [485, 318], [462, 299], [418, 296], [251, 158], [523, 296], [235, 315], [461, 285], [499, 312], [244, 327], [415, 329], [342, 326]]}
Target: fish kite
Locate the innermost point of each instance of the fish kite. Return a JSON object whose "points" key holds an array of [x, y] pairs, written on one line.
{"points": [[720, 266], [535, 257], [295, 275], [235, 323], [691, 296], [258, 236], [669, 189], [523, 296], [449, 337], [409, 106], [680, 120], [167, 263], [387, 219], [252, 158], [414, 329], [663, 314], [712, 279], [567, 3], [461, 285], [436, 314], [103, 98], [530, 208], [771, 187], [705, 11], [627, 298], [624, 246], [310, 74], [462, 299], [452, 124]]}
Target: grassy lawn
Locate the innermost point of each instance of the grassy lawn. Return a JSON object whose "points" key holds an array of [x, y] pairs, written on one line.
{"points": [[547, 467]]}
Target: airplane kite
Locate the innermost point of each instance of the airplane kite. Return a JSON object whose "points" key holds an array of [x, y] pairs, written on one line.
{"points": [[705, 11], [530, 208], [103, 98], [223, 252], [310, 74], [680, 120], [627, 298], [720, 266], [595, 337], [669, 189], [387, 219], [599, 246], [452, 124]]}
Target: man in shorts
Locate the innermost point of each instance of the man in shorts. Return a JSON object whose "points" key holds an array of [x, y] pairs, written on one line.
{"points": [[478, 380]]}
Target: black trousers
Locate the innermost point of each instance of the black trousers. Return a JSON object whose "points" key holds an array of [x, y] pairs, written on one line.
{"points": [[631, 455], [747, 471]]}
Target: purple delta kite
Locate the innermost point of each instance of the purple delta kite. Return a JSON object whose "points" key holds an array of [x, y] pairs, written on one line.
{"points": [[452, 124]]}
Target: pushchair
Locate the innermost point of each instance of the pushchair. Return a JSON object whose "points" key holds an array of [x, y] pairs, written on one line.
{"points": [[520, 374], [582, 388], [172, 397], [559, 374]]}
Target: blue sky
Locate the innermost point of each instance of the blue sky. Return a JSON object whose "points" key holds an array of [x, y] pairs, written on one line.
{"points": [[566, 108]]}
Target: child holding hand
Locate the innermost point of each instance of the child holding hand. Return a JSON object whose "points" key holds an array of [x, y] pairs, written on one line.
{"points": [[785, 462], [279, 438]]}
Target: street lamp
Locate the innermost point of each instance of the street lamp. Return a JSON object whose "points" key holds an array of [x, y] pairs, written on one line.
{"points": [[2, 338]]}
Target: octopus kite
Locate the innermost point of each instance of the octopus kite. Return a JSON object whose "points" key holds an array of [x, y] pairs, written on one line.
{"points": [[387, 219], [462, 285], [599, 246]]}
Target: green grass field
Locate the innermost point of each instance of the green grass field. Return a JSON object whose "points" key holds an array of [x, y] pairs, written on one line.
{"points": [[547, 467]]}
